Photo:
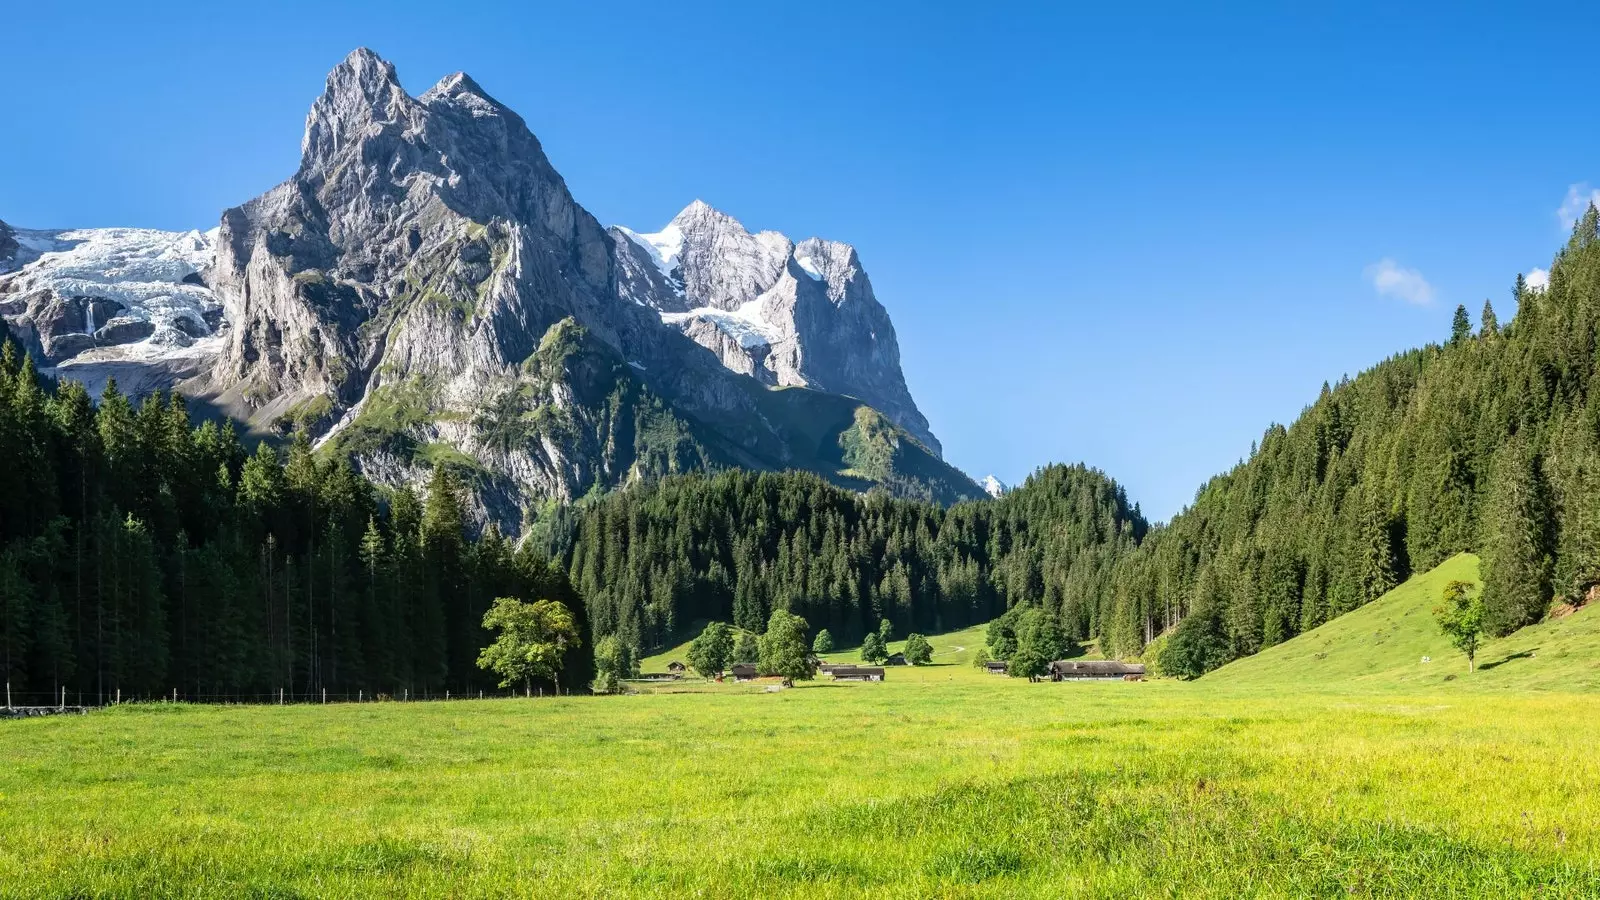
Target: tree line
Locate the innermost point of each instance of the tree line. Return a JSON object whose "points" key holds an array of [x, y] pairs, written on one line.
{"points": [[657, 559], [142, 553]]}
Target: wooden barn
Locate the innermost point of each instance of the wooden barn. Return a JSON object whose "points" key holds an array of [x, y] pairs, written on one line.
{"points": [[743, 672], [995, 667], [677, 667], [895, 659], [857, 673], [1101, 669]]}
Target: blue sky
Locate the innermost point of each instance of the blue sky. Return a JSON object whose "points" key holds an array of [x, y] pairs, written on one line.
{"points": [[1129, 237]]}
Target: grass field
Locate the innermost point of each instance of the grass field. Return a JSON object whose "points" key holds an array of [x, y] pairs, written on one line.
{"points": [[1272, 779]]}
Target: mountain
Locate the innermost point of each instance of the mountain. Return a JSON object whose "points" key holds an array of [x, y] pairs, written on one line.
{"points": [[425, 289], [993, 486], [786, 313]]}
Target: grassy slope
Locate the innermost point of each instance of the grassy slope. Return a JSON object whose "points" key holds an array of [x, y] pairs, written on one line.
{"points": [[1383, 644]]}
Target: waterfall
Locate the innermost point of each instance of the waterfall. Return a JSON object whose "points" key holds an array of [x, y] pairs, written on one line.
{"points": [[88, 312]]}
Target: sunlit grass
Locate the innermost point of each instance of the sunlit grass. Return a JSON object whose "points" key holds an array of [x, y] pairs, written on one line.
{"points": [[966, 785]]}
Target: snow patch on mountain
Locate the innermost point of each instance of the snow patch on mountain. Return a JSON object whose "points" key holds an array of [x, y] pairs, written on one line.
{"points": [[662, 247], [744, 324], [992, 486]]}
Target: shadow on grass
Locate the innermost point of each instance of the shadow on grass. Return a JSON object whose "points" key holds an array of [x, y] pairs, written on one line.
{"points": [[1526, 654]]}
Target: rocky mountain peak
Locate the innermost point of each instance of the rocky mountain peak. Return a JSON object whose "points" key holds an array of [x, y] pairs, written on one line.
{"points": [[362, 91]]}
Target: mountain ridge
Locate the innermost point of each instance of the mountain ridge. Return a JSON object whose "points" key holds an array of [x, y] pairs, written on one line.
{"points": [[393, 294]]}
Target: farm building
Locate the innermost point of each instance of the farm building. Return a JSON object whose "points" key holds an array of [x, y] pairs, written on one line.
{"points": [[1074, 669], [995, 667], [743, 672], [895, 659], [857, 673], [677, 667]]}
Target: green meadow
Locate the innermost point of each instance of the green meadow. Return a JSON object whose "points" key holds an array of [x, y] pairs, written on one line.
{"points": [[1337, 764]]}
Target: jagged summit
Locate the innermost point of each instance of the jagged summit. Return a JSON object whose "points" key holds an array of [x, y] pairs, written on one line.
{"points": [[788, 314]]}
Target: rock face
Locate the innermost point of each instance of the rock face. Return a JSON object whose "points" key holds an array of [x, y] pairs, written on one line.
{"points": [[787, 314], [8, 247], [424, 289]]}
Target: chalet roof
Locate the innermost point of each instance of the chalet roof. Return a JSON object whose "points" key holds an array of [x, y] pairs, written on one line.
{"points": [[676, 665], [742, 669], [856, 670], [995, 664], [895, 659], [1094, 667]]}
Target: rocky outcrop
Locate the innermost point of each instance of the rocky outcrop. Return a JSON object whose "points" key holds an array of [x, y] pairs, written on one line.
{"points": [[8, 247], [788, 314]]}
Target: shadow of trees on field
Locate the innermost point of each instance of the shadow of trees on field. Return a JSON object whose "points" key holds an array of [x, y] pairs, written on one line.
{"points": [[1526, 654]]}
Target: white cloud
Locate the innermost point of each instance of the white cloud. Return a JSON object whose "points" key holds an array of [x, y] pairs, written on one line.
{"points": [[1579, 196], [1537, 280], [1390, 279]]}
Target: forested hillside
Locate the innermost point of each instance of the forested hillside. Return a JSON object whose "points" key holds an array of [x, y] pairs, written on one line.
{"points": [[651, 560], [1489, 443], [139, 553]]}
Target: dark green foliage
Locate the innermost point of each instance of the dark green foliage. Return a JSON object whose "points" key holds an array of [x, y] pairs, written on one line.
{"points": [[823, 642], [1460, 326], [139, 554], [1040, 641], [1196, 646], [872, 649], [735, 546], [783, 648], [918, 651], [746, 650], [712, 650]]}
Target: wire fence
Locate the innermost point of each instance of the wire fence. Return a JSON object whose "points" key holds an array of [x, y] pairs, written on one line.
{"points": [[20, 704]]}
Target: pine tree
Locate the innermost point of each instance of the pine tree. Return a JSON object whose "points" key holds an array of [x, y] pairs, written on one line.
{"points": [[1460, 326], [1516, 567], [1489, 323]]}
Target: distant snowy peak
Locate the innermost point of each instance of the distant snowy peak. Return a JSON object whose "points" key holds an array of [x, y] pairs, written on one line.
{"points": [[787, 314], [8, 248], [992, 486]]}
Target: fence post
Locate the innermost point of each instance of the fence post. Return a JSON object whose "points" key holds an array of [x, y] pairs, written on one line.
{"points": [[324, 695], [280, 696], [174, 695], [480, 693], [447, 694], [63, 698], [8, 695], [359, 694]]}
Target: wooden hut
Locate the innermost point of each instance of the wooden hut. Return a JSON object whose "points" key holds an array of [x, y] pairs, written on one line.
{"points": [[995, 667], [1088, 669], [743, 672], [856, 673]]}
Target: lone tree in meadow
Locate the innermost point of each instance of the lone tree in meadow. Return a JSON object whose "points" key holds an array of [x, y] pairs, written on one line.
{"points": [[783, 648], [1461, 617], [917, 650], [872, 649], [611, 665], [885, 630], [823, 643], [1040, 641], [711, 650], [533, 641]]}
